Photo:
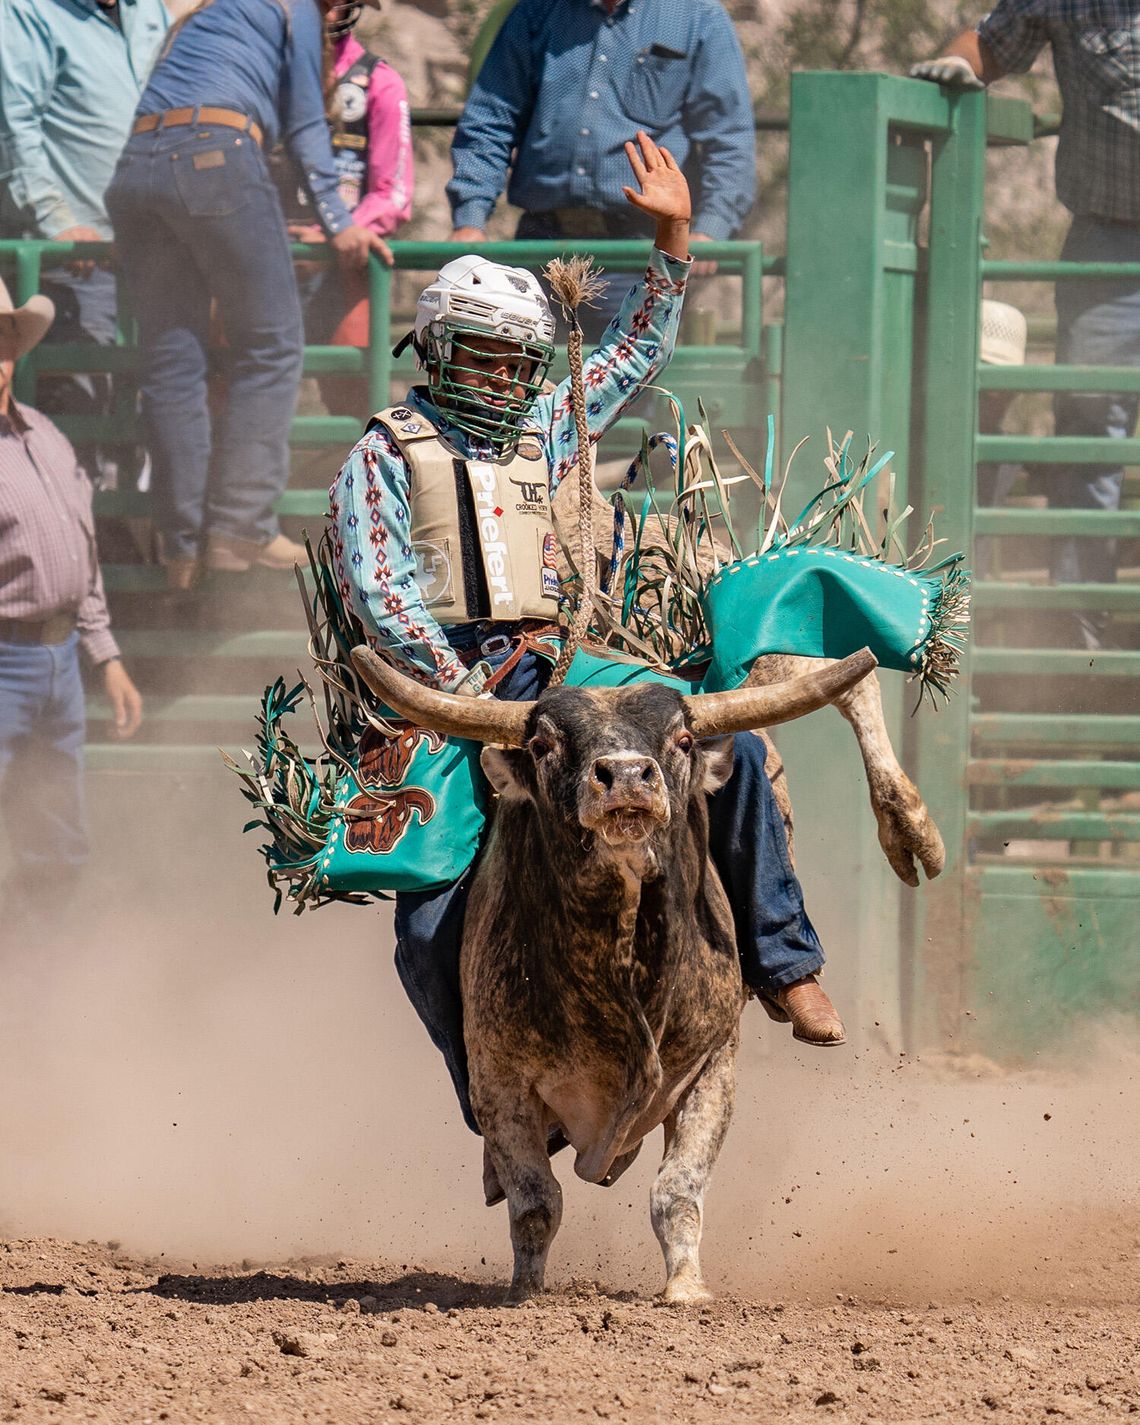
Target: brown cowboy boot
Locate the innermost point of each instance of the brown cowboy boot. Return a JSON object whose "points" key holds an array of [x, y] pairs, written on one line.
{"points": [[813, 1017]]}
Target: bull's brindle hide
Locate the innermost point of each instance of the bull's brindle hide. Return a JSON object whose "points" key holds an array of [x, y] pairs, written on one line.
{"points": [[601, 983]]}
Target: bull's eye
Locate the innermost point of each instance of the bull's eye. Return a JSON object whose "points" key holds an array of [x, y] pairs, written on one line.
{"points": [[539, 747], [685, 743]]}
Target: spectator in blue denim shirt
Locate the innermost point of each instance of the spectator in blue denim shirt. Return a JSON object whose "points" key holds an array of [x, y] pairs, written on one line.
{"points": [[197, 219], [564, 83], [71, 73]]}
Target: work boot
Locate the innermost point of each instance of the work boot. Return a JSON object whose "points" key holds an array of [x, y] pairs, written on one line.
{"points": [[813, 1017], [237, 556]]}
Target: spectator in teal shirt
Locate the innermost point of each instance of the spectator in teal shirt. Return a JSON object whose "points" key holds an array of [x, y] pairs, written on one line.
{"points": [[71, 73]]}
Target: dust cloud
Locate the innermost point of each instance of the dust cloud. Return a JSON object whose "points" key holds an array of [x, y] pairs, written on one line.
{"points": [[187, 1075]]}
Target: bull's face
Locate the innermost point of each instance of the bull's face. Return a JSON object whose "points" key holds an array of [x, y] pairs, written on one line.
{"points": [[619, 767]]}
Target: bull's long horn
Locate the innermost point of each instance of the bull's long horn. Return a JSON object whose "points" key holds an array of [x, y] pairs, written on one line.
{"points": [[480, 719], [711, 714]]}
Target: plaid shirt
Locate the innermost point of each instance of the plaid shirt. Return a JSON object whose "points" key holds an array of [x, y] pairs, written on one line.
{"points": [[369, 501], [48, 560], [1096, 56]]}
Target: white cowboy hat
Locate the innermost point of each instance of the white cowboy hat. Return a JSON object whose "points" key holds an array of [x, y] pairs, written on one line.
{"points": [[22, 327], [1004, 334]]}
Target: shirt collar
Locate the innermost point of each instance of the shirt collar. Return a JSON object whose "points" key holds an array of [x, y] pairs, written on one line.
{"points": [[16, 422]]}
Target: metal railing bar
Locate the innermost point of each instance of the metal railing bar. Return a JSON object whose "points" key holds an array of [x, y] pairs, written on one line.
{"points": [[1054, 663], [1111, 598], [1052, 449], [1045, 824], [1025, 772], [1059, 378], [1006, 270], [1123, 524]]}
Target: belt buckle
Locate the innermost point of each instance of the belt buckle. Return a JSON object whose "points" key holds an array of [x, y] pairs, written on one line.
{"points": [[57, 629], [582, 222], [497, 643]]}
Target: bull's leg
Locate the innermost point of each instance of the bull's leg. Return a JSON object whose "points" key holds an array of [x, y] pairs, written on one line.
{"points": [[694, 1133], [515, 1137], [907, 832]]}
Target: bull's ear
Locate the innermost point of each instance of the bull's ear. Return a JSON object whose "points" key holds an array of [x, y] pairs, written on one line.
{"points": [[718, 761], [501, 766]]}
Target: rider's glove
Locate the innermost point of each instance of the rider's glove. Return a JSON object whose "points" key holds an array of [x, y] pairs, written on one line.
{"points": [[471, 685], [951, 70]]}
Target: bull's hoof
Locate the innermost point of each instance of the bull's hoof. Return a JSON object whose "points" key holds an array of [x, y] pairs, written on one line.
{"points": [[685, 1292], [910, 839], [522, 1292]]}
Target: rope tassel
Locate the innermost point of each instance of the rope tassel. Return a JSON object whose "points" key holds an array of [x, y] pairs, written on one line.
{"points": [[575, 280]]}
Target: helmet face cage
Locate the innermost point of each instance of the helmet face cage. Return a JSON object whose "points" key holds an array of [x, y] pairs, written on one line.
{"points": [[447, 348], [340, 19]]}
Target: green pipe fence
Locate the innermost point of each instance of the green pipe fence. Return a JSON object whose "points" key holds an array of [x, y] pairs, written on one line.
{"points": [[1029, 767]]}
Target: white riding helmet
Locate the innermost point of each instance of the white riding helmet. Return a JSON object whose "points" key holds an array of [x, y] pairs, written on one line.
{"points": [[475, 297]]}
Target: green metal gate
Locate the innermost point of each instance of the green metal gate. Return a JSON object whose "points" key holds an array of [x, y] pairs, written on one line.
{"points": [[880, 335], [1030, 767]]}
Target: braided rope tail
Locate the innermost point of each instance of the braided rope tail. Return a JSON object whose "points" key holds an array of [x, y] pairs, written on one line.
{"points": [[573, 281]]}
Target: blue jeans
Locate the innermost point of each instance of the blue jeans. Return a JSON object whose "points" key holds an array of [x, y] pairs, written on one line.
{"points": [[1098, 324], [41, 767], [196, 218], [775, 938]]}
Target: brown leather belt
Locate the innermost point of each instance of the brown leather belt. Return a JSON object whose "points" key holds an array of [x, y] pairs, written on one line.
{"points": [[57, 629], [201, 114]]}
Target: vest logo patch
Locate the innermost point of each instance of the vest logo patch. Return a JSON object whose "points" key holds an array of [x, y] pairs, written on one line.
{"points": [[533, 494], [402, 413], [433, 571], [411, 427], [530, 447]]}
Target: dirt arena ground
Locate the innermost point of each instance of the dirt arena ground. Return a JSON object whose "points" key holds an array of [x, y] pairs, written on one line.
{"points": [[234, 1186], [90, 1333]]}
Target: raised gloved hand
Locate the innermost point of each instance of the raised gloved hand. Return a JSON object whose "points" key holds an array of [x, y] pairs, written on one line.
{"points": [[950, 69]]}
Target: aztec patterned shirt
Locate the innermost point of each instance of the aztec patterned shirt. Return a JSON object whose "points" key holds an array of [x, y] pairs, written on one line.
{"points": [[1096, 56], [369, 501]]}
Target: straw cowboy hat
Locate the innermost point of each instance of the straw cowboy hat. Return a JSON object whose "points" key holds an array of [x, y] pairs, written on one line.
{"points": [[22, 327], [1004, 335]]}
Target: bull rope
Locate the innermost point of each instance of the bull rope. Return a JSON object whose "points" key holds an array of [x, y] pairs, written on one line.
{"points": [[573, 281]]}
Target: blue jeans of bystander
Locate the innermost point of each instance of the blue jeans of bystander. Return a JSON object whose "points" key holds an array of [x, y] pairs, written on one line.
{"points": [[197, 218], [1098, 324], [41, 768]]}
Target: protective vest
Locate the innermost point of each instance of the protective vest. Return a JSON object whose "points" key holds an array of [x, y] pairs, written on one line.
{"points": [[482, 530], [349, 136]]}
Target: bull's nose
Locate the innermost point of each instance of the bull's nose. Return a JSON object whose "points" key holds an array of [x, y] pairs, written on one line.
{"points": [[622, 777]]}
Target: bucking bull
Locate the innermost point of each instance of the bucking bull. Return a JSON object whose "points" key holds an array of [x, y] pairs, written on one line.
{"points": [[601, 983]]}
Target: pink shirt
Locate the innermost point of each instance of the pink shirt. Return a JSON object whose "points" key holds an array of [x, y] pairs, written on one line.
{"points": [[387, 200], [48, 560]]}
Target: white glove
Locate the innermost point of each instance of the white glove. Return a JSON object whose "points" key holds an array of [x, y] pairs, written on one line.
{"points": [[951, 70], [471, 685]]}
